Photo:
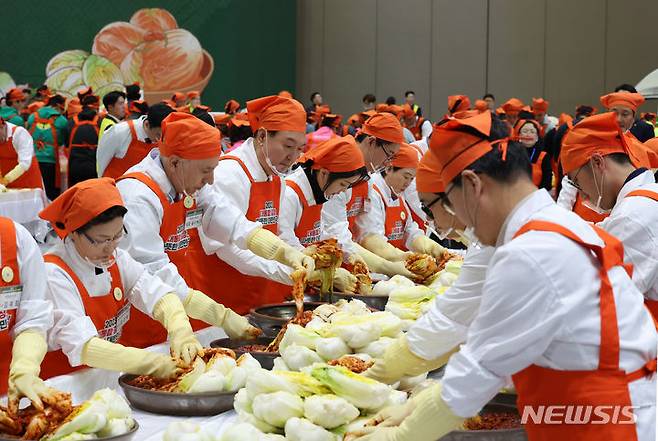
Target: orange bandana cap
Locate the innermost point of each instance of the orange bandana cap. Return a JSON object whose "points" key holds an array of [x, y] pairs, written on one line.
{"points": [[338, 155], [481, 106], [463, 114], [458, 103], [276, 113], [407, 157], [624, 99], [188, 137], [513, 106], [231, 106], [428, 179], [80, 204], [193, 94], [239, 120], [599, 134], [15, 94], [407, 111], [565, 118], [354, 119], [455, 148], [384, 126], [285, 94], [539, 105], [178, 96]]}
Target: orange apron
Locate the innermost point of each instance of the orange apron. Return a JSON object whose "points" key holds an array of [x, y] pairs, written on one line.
{"points": [[137, 150], [220, 280], [605, 386], [357, 204], [396, 219], [416, 130], [9, 159], [586, 213], [537, 173], [109, 313], [143, 331], [308, 230], [652, 305], [10, 293]]}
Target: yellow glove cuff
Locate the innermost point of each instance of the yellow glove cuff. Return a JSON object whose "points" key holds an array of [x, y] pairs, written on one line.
{"points": [[431, 418], [27, 353], [15, 173], [170, 312], [201, 307], [380, 246], [264, 243]]}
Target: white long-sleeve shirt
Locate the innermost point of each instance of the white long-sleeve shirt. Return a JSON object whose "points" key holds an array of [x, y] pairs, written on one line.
{"points": [[222, 221], [115, 142], [446, 324], [335, 222], [634, 221], [540, 305], [73, 327], [35, 311], [374, 219], [23, 143]]}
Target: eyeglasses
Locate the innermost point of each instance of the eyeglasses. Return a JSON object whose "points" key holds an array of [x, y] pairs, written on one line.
{"points": [[389, 155], [116, 239], [427, 208], [574, 181], [445, 202]]}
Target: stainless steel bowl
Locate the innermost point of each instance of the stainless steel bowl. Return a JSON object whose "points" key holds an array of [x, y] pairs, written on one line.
{"points": [[489, 435], [128, 436], [375, 302], [271, 318], [266, 359], [174, 403]]}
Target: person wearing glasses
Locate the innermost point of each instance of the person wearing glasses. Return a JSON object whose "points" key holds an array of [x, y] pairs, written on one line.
{"points": [[613, 172], [93, 286], [379, 140], [387, 229], [323, 172]]}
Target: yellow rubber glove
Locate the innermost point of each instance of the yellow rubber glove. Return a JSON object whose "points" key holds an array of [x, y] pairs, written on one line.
{"points": [[380, 246], [267, 245], [344, 281], [425, 245], [201, 307], [356, 257], [170, 312], [398, 361], [102, 354], [14, 174], [27, 354], [429, 420], [379, 265]]}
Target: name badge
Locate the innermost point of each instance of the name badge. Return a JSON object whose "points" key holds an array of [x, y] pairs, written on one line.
{"points": [[193, 219], [10, 297]]}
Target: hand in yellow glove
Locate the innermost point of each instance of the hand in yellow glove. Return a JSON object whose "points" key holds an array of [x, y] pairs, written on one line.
{"points": [[398, 361], [430, 419], [267, 245], [395, 268], [13, 174], [344, 281], [27, 354], [425, 245], [102, 354], [380, 246], [201, 307], [170, 312]]}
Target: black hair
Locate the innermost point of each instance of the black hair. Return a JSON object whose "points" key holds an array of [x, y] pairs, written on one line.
{"points": [[406, 94], [369, 98], [318, 193], [620, 158], [515, 165], [89, 100], [56, 100], [627, 87], [383, 172], [499, 129], [204, 116], [524, 114], [378, 142], [111, 98], [584, 110], [156, 113], [132, 92], [390, 100], [239, 133], [107, 216], [489, 95], [313, 95], [142, 106]]}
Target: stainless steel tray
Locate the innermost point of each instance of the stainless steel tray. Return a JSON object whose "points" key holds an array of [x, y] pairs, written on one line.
{"points": [[271, 318], [175, 403], [128, 436], [266, 359]]}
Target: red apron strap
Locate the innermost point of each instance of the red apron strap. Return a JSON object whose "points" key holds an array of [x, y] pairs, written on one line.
{"points": [[298, 190], [644, 193], [374, 187], [242, 164], [150, 183], [9, 248], [131, 126]]}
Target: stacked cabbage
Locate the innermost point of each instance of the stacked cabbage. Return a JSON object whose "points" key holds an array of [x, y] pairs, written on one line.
{"points": [[321, 403], [105, 414], [221, 374]]}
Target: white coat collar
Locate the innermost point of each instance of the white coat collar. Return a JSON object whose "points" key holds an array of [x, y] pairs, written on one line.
{"points": [[300, 178], [95, 284], [522, 213], [247, 153], [635, 183]]}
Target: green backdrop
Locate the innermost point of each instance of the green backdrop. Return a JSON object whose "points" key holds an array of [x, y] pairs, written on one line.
{"points": [[251, 41]]}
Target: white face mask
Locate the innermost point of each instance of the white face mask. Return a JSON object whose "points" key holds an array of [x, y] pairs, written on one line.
{"points": [[597, 206], [102, 264], [469, 238], [266, 153]]}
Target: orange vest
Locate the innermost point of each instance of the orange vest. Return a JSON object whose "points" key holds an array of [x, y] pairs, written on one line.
{"points": [[396, 219], [137, 150], [309, 228], [357, 204], [8, 306], [606, 386], [109, 313], [9, 159], [537, 173], [416, 130]]}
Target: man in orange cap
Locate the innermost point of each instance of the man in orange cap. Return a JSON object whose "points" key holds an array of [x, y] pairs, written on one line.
{"points": [[540, 111], [512, 108], [624, 105], [16, 101], [169, 198], [179, 99], [575, 332], [609, 169], [418, 126]]}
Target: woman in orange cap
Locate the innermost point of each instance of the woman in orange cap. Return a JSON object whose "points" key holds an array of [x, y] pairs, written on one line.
{"points": [[419, 127], [530, 134], [610, 170], [16, 101], [170, 200], [576, 332], [18, 164], [94, 286], [388, 229]]}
